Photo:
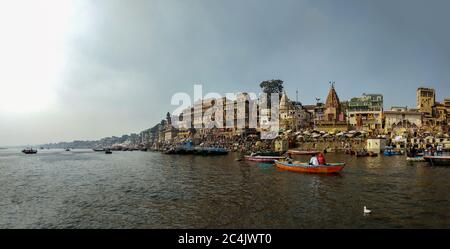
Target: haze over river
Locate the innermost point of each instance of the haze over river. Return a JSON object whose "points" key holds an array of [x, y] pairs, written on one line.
{"points": [[86, 189]]}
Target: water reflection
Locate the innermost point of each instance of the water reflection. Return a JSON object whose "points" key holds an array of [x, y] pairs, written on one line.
{"points": [[83, 189]]}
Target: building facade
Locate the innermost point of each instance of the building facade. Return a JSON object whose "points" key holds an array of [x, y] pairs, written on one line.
{"points": [[366, 112]]}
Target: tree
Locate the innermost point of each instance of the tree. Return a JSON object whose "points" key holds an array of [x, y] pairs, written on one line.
{"points": [[272, 86]]}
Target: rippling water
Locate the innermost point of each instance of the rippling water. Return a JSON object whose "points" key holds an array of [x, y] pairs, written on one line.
{"points": [[84, 189]]}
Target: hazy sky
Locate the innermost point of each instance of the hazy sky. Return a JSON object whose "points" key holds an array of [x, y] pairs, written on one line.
{"points": [[90, 69]]}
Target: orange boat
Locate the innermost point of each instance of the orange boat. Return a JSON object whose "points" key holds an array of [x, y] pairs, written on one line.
{"points": [[329, 168], [303, 152]]}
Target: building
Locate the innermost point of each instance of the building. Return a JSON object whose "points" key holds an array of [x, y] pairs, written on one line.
{"points": [[400, 120], [447, 108], [376, 144], [426, 100], [333, 117], [366, 112]]}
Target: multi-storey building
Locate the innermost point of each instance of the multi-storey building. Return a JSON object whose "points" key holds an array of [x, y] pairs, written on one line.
{"points": [[366, 112], [399, 120]]}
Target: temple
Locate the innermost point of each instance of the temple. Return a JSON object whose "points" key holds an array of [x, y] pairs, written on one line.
{"points": [[333, 119]]}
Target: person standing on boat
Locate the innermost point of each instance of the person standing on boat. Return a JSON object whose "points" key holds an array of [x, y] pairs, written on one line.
{"points": [[313, 161], [321, 159], [439, 150]]}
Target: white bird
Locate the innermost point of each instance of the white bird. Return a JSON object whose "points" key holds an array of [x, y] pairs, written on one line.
{"points": [[367, 211]]}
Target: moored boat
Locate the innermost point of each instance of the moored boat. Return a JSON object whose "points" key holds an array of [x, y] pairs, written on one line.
{"points": [[29, 151], [329, 168], [415, 159], [98, 149], [389, 151], [268, 159], [302, 152], [438, 160], [108, 151]]}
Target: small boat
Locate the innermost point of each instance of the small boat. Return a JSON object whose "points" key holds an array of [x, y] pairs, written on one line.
{"points": [[98, 149], [415, 159], [389, 151], [438, 160], [108, 151], [68, 149], [29, 151], [269, 159], [302, 152], [328, 168], [366, 154]]}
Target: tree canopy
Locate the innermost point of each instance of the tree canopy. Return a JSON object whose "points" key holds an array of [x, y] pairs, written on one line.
{"points": [[272, 86]]}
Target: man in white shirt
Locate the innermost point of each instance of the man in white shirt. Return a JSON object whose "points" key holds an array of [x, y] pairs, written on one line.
{"points": [[313, 161]]}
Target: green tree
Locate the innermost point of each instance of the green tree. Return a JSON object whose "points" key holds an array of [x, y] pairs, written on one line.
{"points": [[272, 86]]}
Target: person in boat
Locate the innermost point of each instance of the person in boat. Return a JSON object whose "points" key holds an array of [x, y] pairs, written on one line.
{"points": [[313, 161], [321, 159], [288, 158], [439, 150]]}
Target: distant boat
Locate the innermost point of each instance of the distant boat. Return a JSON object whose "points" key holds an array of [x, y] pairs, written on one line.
{"points": [[389, 151], [415, 159], [68, 149], [302, 152], [29, 151], [98, 149], [268, 159], [108, 151]]}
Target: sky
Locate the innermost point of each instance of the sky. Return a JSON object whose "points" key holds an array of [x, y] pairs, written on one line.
{"points": [[83, 70]]}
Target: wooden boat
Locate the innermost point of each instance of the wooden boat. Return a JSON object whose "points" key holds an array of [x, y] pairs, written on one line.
{"points": [[29, 151], [365, 154], [268, 159], [438, 160], [302, 152], [329, 168], [415, 159]]}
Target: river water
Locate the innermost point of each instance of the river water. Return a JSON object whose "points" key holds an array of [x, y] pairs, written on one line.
{"points": [[85, 189]]}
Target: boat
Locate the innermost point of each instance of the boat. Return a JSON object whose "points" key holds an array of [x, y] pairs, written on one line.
{"points": [[365, 154], [98, 149], [415, 159], [68, 149], [329, 168], [389, 151], [212, 151], [29, 151], [268, 159], [302, 152], [108, 151], [438, 160]]}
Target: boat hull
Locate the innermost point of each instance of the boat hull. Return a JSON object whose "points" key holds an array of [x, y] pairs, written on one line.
{"points": [[300, 152], [331, 168], [415, 159], [438, 160], [267, 159]]}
